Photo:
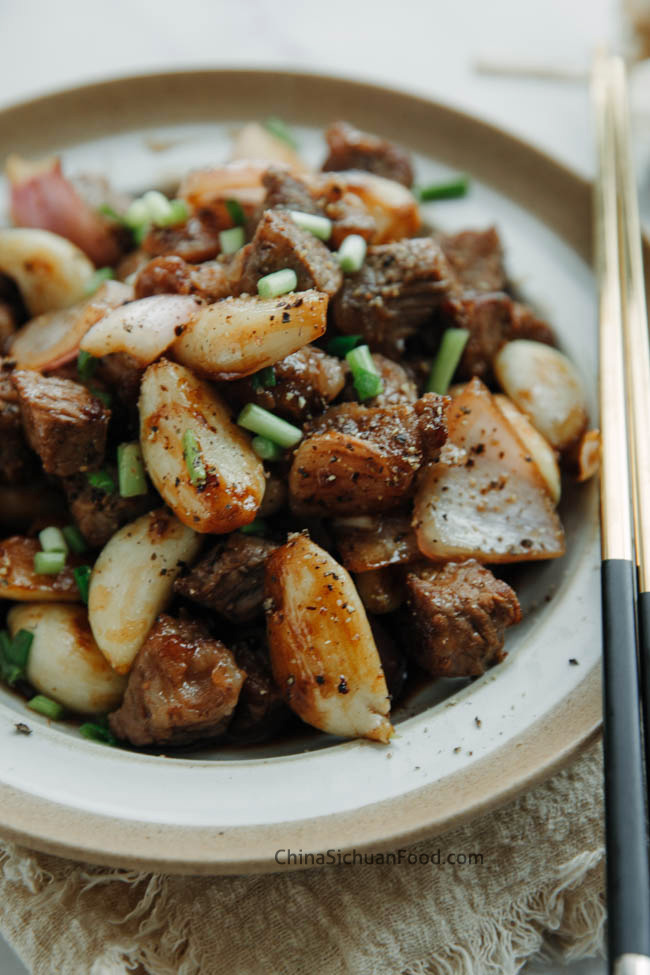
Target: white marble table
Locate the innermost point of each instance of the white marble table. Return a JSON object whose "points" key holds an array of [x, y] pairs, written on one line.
{"points": [[428, 46]]}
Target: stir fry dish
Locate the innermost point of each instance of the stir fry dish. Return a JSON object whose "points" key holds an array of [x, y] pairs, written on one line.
{"points": [[266, 444]]}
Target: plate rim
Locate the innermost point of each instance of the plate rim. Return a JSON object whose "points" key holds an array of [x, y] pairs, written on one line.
{"points": [[543, 748]]}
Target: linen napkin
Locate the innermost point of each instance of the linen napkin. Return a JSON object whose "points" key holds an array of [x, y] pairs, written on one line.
{"points": [[538, 888]]}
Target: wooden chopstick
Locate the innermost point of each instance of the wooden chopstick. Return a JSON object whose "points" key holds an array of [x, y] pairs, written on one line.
{"points": [[628, 874]]}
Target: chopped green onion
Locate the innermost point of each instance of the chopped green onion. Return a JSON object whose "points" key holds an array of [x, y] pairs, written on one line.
{"points": [[108, 211], [449, 354], [18, 649], [320, 227], [52, 540], [140, 232], [278, 283], [137, 214], [101, 480], [266, 449], [193, 461], [86, 365], [82, 577], [48, 563], [342, 344], [258, 420], [48, 707], [449, 190], [352, 253], [365, 375], [130, 470], [265, 378], [257, 527], [236, 212], [231, 240], [177, 213], [95, 280], [280, 130], [74, 538], [97, 732]]}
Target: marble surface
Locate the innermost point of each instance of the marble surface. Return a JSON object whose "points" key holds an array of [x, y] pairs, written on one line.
{"points": [[431, 48]]}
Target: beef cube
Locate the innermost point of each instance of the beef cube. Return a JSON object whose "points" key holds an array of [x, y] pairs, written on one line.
{"points": [[195, 240], [173, 275], [230, 578], [396, 291], [7, 324], [492, 320], [121, 373], [99, 514], [351, 149], [305, 383], [280, 243], [363, 460], [64, 423], [285, 192], [261, 710], [17, 462], [458, 614], [476, 259], [183, 687]]}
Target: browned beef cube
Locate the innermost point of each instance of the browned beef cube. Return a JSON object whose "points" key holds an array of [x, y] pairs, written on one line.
{"points": [[363, 460], [260, 711], [280, 243], [284, 191], [122, 374], [351, 149], [458, 614], [99, 514], [183, 687], [173, 275], [476, 259], [195, 240], [64, 423], [230, 578], [306, 382], [17, 462], [7, 324], [492, 320], [395, 292]]}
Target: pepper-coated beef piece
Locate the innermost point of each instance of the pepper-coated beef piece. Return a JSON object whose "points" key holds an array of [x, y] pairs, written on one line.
{"points": [[17, 462], [458, 614], [183, 686], [280, 243], [396, 291], [173, 275], [64, 423], [98, 514], [230, 578], [260, 710], [195, 240], [476, 259], [351, 149]]}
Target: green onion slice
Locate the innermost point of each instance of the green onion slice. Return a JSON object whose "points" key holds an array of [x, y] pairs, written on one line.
{"points": [[52, 540], [101, 480], [95, 280], [236, 212], [265, 378], [320, 227], [82, 577], [277, 127], [257, 527], [352, 253], [130, 470], [231, 240], [86, 365], [266, 449], [100, 733], [258, 420], [74, 538], [18, 649], [49, 563], [342, 344], [446, 361], [277, 283], [48, 707], [193, 460], [177, 213], [448, 190], [365, 375]]}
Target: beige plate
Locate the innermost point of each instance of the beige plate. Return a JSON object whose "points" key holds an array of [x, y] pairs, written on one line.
{"points": [[222, 811]]}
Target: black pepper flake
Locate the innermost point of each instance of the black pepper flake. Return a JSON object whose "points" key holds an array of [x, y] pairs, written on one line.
{"points": [[573, 661], [22, 728], [526, 543], [286, 317], [343, 686], [478, 722], [320, 679]]}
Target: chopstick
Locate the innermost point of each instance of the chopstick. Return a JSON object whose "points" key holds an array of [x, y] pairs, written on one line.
{"points": [[620, 310]]}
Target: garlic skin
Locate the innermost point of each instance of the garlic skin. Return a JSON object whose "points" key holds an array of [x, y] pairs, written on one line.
{"points": [[64, 661], [323, 653]]}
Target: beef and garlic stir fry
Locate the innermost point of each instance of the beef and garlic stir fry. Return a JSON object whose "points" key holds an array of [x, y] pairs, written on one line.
{"points": [[261, 440]]}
